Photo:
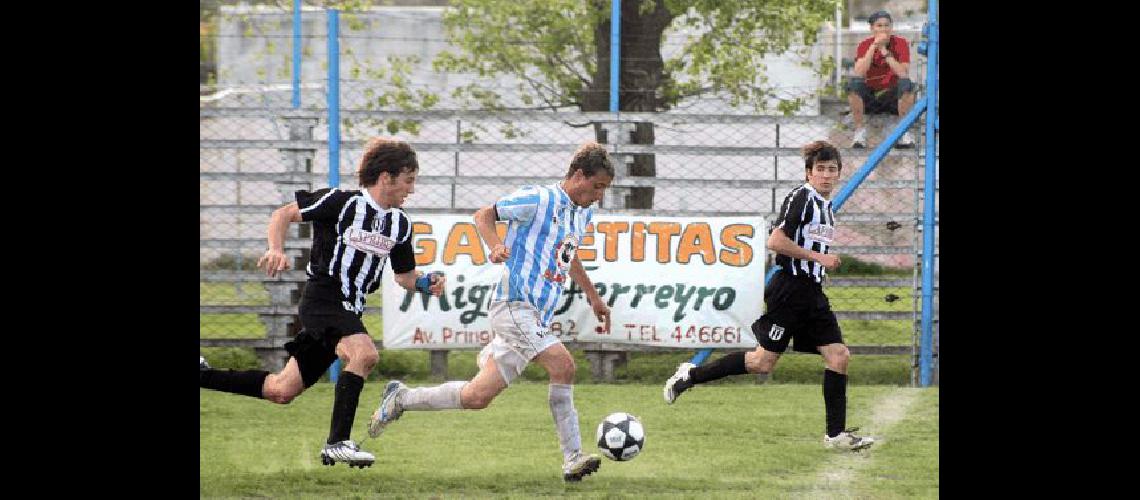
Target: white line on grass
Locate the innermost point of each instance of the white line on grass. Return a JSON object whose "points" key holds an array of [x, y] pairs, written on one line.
{"points": [[836, 474]]}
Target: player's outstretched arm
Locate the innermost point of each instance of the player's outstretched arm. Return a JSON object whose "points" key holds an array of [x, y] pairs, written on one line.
{"points": [[485, 225], [275, 260], [578, 274], [408, 281]]}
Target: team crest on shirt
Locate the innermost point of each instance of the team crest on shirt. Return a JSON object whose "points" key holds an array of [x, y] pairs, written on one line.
{"points": [[372, 242], [821, 232], [563, 256]]}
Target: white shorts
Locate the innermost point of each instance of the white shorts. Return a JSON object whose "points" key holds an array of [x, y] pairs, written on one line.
{"points": [[518, 337]]}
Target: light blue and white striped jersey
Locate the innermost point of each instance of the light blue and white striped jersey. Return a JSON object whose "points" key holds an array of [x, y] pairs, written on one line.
{"points": [[543, 233]]}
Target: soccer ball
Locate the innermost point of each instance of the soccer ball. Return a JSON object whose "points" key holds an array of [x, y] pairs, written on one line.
{"points": [[621, 436]]}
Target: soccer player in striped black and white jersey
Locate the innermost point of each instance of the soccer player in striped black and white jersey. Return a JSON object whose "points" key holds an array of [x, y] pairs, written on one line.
{"points": [[546, 225], [796, 307], [354, 233]]}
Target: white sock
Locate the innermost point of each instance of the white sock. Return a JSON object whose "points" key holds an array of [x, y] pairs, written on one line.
{"points": [[565, 418], [440, 397]]}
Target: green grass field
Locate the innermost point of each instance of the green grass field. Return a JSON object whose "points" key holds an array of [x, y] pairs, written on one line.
{"points": [[718, 441]]}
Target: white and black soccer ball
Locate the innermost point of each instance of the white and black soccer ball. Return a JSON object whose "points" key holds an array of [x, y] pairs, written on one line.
{"points": [[621, 436]]}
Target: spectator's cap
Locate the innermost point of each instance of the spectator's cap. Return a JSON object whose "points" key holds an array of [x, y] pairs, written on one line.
{"points": [[878, 14]]}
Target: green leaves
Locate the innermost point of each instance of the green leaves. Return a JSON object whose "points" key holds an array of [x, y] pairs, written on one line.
{"points": [[731, 38], [552, 54], [547, 44], [550, 45]]}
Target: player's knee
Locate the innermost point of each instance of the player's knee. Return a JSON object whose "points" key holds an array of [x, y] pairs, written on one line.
{"points": [[760, 361], [368, 359], [752, 362], [765, 366], [361, 358], [279, 394], [478, 400], [282, 398], [563, 371], [838, 358]]}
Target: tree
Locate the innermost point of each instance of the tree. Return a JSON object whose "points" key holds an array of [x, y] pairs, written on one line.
{"points": [[560, 50]]}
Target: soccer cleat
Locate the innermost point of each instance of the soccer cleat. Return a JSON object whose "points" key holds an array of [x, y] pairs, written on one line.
{"points": [[847, 440], [202, 364], [347, 452], [579, 466], [906, 141], [671, 392], [859, 140], [389, 409]]}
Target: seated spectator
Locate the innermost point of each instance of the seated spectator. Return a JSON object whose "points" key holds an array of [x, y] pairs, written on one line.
{"points": [[879, 82]]}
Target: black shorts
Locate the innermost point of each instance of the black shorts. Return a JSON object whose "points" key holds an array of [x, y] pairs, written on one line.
{"points": [[796, 308], [324, 320], [880, 102]]}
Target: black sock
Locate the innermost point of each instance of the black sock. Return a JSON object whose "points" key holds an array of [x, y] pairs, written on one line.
{"points": [[835, 401], [244, 382], [347, 396], [730, 364]]}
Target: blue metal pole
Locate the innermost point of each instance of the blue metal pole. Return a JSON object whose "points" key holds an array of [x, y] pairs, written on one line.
{"points": [[334, 124], [877, 155], [334, 98], [926, 345], [296, 54], [615, 53]]}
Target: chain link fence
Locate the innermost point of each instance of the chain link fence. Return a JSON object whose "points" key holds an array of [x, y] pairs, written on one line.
{"points": [[705, 158]]}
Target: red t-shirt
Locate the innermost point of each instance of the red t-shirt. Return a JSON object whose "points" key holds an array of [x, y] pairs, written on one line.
{"points": [[879, 75]]}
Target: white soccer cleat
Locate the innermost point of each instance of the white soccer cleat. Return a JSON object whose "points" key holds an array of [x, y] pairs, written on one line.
{"points": [[682, 373], [579, 466], [347, 452], [848, 440], [859, 140], [389, 409]]}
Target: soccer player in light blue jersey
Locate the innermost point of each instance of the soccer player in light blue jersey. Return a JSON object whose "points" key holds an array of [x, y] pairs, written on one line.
{"points": [[546, 225]]}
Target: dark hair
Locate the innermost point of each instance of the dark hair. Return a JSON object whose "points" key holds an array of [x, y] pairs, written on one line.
{"points": [[878, 14], [590, 158], [383, 154], [820, 151]]}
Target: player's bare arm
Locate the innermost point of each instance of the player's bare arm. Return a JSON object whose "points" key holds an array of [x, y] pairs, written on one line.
{"points": [[275, 260], [578, 274], [485, 225], [408, 281]]}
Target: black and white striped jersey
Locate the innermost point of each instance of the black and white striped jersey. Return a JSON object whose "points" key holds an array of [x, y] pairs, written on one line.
{"points": [[352, 238], [806, 218]]}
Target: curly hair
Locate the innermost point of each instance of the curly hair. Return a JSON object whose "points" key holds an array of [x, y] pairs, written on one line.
{"points": [[591, 158], [820, 151], [384, 154]]}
